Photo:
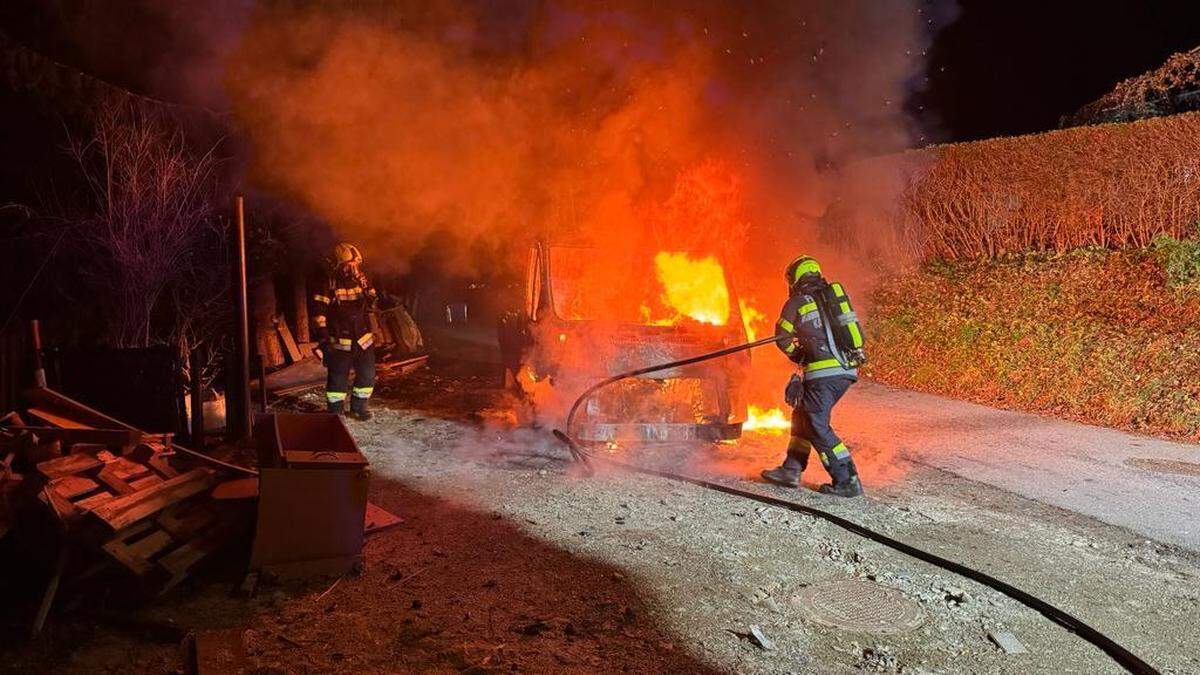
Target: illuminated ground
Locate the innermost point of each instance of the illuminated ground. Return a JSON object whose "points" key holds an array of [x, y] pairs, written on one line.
{"points": [[507, 562], [702, 567], [1146, 485]]}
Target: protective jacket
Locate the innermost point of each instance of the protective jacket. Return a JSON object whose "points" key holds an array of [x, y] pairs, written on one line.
{"points": [[341, 309], [805, 336]]}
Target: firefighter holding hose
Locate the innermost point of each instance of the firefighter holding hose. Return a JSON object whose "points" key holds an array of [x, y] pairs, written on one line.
{"points": [[819, 332], [345, 342]]}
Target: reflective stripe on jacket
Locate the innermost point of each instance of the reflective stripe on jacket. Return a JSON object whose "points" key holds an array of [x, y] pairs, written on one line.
{"points": [[806, 340], [341, 310]]}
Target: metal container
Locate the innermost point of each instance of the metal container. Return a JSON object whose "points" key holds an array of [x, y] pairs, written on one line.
{"points": [[312, 496]]}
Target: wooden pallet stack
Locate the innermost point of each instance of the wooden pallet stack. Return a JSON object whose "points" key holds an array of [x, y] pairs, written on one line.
{"points": [[121, 497], [101, 497]]}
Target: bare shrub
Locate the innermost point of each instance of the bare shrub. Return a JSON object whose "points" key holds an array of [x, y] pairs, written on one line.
{"points": [[1113, 186], [147, 220]]}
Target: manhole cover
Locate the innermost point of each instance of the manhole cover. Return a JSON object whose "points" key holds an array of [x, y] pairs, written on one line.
{"points": [[860, 606], [1165, 465]]}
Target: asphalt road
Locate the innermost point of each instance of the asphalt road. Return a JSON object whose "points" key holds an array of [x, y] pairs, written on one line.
{"points": [[1093, 471]]}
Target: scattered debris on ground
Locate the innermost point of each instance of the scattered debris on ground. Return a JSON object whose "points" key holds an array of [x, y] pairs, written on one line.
{"points": [[112, 506], [505, 560], [1007, 642], [115, 498]]}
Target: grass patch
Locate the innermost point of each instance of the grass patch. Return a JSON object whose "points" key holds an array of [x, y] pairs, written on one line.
{"points": [[1180, 259], [1108, 339]]}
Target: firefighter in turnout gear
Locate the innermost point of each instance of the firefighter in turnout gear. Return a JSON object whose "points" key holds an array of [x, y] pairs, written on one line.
{"points": [[807, 337], [341, 313]]}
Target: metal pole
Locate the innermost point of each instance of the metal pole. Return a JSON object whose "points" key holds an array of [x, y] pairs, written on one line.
{"points": [[242, 346], [39, 368]]}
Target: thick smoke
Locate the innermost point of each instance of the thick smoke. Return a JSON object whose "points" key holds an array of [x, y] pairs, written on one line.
{"points": [[676, 125], [669, 125]]}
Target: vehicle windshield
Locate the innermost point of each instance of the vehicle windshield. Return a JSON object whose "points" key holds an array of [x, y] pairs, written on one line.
{"points": [[664, 288]]}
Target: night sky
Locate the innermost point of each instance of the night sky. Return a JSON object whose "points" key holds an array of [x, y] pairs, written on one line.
{"points": [[1015, 66], [1001, 67]]}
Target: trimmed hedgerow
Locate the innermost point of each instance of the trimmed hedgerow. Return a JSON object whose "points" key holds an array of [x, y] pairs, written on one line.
{"points": [[1116, 186]]}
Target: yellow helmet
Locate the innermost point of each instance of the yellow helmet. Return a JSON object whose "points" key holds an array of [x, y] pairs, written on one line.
{"points": [[800, 267], [346, 254]]}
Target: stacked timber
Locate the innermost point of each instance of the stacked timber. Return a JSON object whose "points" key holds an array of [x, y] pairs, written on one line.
{"points": [[122, 499], [101, 497]]}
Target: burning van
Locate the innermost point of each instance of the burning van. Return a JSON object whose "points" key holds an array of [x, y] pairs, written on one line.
{"points": [[590, 313]]}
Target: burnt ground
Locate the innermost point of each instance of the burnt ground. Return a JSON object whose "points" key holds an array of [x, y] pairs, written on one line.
{"points": [[509, 561]]}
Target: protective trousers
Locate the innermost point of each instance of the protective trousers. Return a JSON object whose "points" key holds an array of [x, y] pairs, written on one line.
{"points": [[811, 429], [338, 363]]}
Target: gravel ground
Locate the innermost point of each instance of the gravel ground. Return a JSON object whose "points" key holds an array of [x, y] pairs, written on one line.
{"points": [[509, 561]]}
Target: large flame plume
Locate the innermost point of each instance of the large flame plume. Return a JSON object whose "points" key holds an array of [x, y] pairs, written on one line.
{"points": [[690, 129]]}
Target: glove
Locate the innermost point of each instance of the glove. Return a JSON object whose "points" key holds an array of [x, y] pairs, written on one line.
{"points": [[794, 393], [320, 350], [797, 355]]}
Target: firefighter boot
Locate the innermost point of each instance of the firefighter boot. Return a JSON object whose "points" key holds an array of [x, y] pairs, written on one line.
{"points": [[359, 409], [786, 474], [782, 475], [335, 407], [850, 486]]}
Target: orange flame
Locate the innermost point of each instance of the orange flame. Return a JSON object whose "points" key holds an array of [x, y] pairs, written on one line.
{"points": [[693, 288], [751, 319], [538, 388], [763, 421]]}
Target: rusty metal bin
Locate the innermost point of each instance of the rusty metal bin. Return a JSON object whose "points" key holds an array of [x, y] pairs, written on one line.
{"points": [[312, 496]]}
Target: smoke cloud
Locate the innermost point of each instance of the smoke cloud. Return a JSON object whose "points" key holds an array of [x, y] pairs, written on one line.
{"points": [[712, 127], [674, 125]]}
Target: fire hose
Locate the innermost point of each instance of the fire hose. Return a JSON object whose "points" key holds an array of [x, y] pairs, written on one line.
{"points": [[1125, 658]]}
